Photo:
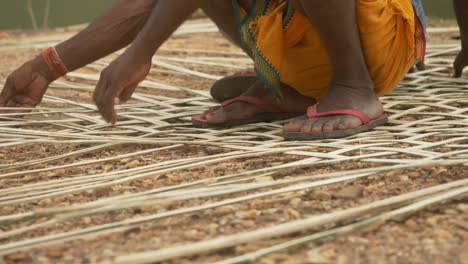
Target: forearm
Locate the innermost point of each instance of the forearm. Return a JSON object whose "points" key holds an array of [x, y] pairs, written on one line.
{"points": [[461, 11], [108, 33], [166, 17]]}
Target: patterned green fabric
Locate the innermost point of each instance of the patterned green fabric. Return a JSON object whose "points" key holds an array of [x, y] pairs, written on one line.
{"points": [[265, 71]]}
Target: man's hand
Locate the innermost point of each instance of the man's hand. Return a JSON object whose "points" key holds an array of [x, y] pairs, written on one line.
{"points": [[120, 79], [460, 63], [26, 86]]}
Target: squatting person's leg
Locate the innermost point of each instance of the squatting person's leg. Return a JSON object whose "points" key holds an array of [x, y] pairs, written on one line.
{"points": [[351, 86], [222, 13]]}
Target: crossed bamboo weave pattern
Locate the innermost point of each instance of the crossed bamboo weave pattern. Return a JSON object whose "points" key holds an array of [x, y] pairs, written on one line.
{"points": [[428, 127]]}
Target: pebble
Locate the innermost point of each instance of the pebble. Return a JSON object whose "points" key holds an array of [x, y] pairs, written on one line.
{"points": [[212, 150], [252, 214], [443, 234], [87, 220], [316, 256], [248, 223], [134, 164], [55, 253], [433, 221], [192, 234], [463, 258], [462, 207], [107, 168], [413, 174], [322, 195], [213, 227], [223, 210], [349, 192], [404, 178], [294, 213], [412, 224], [451, 212], [391, 173], [296, 202], [20, 256]]}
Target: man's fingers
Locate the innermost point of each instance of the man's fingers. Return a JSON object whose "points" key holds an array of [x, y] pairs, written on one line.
{"points": [[99, 99], [126, 94], [98, 91], [104, 98], [106, 108]]}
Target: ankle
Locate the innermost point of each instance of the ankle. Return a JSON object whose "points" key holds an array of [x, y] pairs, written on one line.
{"points": [[354, 84]]}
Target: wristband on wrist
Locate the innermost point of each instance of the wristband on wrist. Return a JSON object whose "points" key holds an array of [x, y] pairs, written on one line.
{"points": [[52, 58]]}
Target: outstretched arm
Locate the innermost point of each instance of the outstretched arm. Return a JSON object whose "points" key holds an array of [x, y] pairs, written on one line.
{"points": [[124, 74], [110, 32], [461, 11]]}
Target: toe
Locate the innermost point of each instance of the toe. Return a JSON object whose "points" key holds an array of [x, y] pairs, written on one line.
{"points": [[308, 125], [217, 117], [295, 124], [330, 125], [317, 125], [347, 122]]}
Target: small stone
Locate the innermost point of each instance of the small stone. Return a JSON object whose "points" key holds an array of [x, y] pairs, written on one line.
{"points": [[391, 173], [433, 221], [463, 258], [404, 178], [462, 207], [192, 234], [442, 234], [248, 223], [294, 213], [349, 192], [322, 195], [134, 164], [223, 210], [55, 253], [316, 256], [412, 224], [212, 150], [461, 224], [413, 174], [252, 214], [107, 168], [213, 227], [296, 202], [451, 212], [87, 220], [20, 256]]}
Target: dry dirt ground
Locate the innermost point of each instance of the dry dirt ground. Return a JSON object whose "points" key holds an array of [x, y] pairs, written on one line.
{"points": [[437, 234]]}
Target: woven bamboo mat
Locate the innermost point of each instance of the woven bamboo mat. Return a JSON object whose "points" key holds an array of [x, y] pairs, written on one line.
{"points": [[428, 127]]}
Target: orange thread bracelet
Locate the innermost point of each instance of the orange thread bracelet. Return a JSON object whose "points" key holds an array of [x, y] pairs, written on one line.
{"points": [[52, 58]]}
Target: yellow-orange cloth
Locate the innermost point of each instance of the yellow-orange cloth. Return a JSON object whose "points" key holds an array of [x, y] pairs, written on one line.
{"points": [[287, 48]]}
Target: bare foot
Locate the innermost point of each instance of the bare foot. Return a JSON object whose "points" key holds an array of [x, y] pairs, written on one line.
{"points": [[360, 97], [292, 102]]}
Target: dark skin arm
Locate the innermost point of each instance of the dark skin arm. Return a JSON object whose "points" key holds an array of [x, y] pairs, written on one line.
{"points": [[26, 86], [123, 75], [461, 11]]}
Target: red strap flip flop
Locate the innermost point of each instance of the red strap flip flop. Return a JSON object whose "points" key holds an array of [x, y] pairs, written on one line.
{"points": [[271, 113], [367, 124]]}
